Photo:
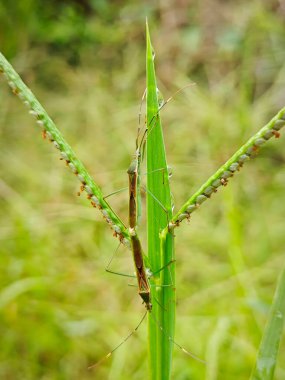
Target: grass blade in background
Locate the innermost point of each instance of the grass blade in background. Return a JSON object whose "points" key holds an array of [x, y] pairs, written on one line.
{"points": [[269, 347], [160, 247]]}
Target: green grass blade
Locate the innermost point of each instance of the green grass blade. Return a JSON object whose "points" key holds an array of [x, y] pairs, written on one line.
{"points": [[50, 130], [17, 288], [226, 171], [160, 247], [269, 347]]}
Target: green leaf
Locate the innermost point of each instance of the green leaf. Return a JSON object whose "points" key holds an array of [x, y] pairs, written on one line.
{"points": [[269, 347], [160, 246]]}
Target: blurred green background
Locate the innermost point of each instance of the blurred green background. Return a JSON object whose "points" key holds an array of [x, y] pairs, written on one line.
{"points": [[85, 61]]}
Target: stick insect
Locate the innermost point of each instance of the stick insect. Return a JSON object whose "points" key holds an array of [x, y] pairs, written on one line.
{"points": [[144, 288], [134, 199], [135, 204], [143, 283]]}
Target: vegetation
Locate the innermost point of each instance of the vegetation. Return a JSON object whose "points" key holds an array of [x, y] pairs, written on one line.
{"points": [[57, 304]]}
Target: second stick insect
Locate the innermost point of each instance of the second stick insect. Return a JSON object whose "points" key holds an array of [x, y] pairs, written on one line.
{"points": [[135, 213], [134, 175]]}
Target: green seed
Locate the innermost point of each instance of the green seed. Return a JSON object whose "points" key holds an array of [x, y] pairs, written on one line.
{"points": [[216, 183], [209, 190], [279, 124], [268, 135], [191, 208], [81, 178], [95, 200], [56, 145], [260, 141], [40, 123], [250, 150], [234, 167], [244, 158], [72, 167], [88, 190], [226, 174], [183, 216], [64, 156], [117, 229], [200, 199], [105, 213]]}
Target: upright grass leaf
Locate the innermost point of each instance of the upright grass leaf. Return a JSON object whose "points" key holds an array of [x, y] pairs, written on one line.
{"points": [[268, 350], [160, 246]]}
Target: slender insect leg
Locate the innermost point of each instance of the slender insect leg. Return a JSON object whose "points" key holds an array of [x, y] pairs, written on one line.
{"points": [[164, 285], [140, 112], [107, 269], [121, 274], [115, 192], [119, 345], [189, 353], [164, 171], [163, 104], [159, 203], [159, 304], [162, 268], [152, 124]]}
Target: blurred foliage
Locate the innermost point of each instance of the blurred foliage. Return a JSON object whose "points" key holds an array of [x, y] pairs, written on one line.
{"points": [[84, 60]]}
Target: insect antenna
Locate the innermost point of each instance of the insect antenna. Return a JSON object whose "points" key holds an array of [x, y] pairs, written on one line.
{"points": [[150, 127]]}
